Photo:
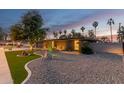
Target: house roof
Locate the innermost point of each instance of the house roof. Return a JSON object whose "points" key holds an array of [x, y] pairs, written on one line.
{"points": [[70, 39], [61, 39]]}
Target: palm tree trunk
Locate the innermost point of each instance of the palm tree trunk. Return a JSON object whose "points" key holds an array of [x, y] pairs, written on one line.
{"points": [[95, 32], [111, 33], [82, 33]]}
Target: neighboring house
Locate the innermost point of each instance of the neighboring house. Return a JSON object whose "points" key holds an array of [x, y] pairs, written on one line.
{"points": [[109, 37], [8, 37], [62, 44]]}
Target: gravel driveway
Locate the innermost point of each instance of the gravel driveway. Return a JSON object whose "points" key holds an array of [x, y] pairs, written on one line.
{"points": [[100, 68]]}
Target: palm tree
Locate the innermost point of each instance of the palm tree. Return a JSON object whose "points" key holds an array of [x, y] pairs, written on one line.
{"points": [[47, 30], [73, 32], [82, 29], [110, 23], [65, 32], [78, 35], [95, 24], [120, 33], [91, 34], [60, 32], [55, 34], [69, 36]]}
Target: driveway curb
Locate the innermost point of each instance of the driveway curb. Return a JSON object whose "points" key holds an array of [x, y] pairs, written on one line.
{"points": [[28, 69]]}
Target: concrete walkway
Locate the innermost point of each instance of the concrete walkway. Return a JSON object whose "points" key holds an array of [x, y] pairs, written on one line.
{"points": [[5, 76]]}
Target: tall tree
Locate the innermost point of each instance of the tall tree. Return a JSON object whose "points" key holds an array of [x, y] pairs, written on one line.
{"points": [[110, 23], [39, 35], [95, 24], [32, 22], [1, 33], [16, 32]]}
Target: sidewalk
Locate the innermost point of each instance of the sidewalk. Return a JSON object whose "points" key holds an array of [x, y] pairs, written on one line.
{"points": [[5, 76]]}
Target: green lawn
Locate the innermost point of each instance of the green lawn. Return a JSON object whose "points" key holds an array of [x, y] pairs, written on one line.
{"points": [[17, 64]]}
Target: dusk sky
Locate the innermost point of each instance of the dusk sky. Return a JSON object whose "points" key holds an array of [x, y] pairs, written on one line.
{"points": [[60, 19]]}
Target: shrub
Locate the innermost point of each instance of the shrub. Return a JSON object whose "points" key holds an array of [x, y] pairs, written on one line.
{"points": [[8, 47], [85, 49], [25, 53], [54, 49]]}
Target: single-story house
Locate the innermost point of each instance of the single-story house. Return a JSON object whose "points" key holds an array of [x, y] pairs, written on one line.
{"points": [[62, 44]]}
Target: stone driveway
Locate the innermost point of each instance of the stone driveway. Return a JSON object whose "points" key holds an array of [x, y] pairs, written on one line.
{"points": [[100, 68]]}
